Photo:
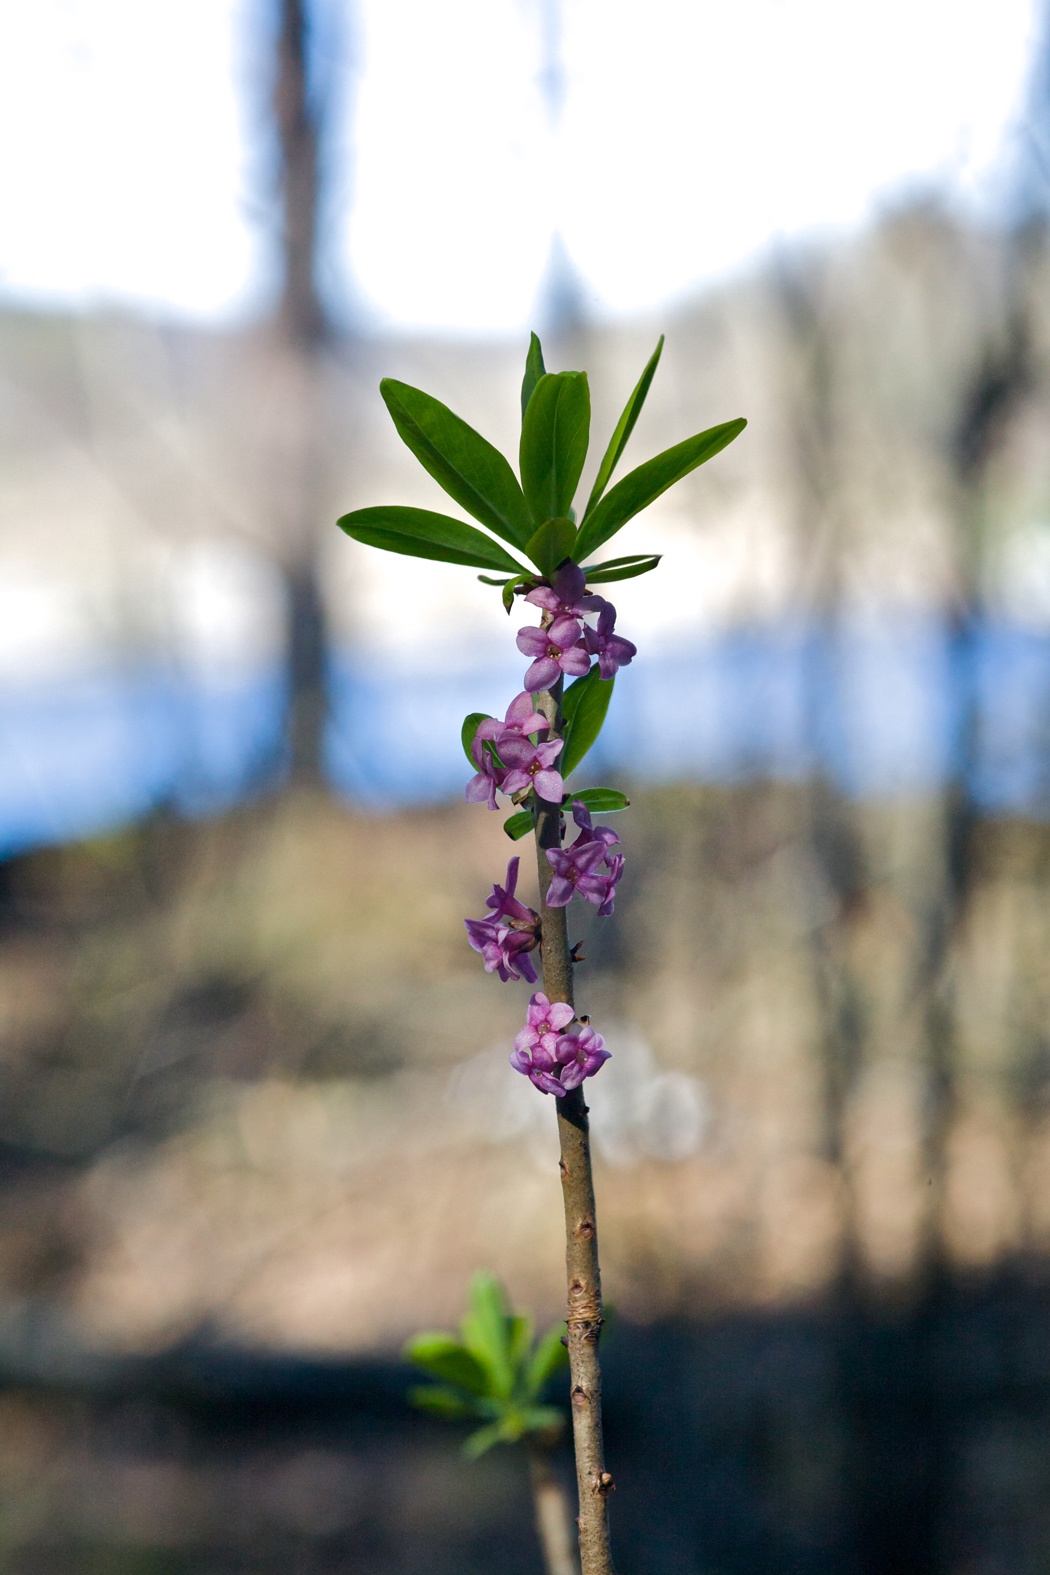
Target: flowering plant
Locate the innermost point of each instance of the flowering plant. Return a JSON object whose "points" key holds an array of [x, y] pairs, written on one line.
{"points": [[544, 735]]}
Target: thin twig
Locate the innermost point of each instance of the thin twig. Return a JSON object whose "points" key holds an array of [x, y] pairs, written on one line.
{"points": [[584, 1321], [553, 1511]]}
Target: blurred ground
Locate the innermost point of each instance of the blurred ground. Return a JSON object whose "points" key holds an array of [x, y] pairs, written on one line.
{"points": [[258, 1116]]}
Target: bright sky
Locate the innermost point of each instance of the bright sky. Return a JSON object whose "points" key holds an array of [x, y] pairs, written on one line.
{"points": [[692, 134]]}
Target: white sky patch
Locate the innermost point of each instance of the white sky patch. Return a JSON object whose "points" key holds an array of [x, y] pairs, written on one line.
{"points": [[693, 136], [124, 154]]}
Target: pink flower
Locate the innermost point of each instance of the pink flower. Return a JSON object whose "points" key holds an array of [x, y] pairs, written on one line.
{"points": [[564, 597], [556, 650], [508, 934], [532, 765], [555, 1062]]}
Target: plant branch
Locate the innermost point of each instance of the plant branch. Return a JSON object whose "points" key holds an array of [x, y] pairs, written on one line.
{"points": [[553, 1511], [584, 1321]]}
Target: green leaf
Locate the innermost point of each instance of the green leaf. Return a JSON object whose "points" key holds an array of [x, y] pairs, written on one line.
{"points": [[508, 590], [481, 1441], [534, 370], [461, 461], [624, 427], [549, 1357], [600, 801], [551, 545], [583, 708], [554, 434], [444, 1357], [441, 1402], [642, 486], [542, 1419], [486, 1331], [620, 568], [420, 534], [486, 579], [519, 1339], [519, 825], [470, 726]]}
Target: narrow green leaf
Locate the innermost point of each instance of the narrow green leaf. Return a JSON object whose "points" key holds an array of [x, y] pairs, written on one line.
{"points": [[441, 1402], [642, 486], [460, 460], [542, 1419], [444, 1357], [470, 726], [583, 708], [621, 568], [624, 427], [554, 434], [487, 579], [519, 1339], [534, 370], [420, 534], [551, 545], [600, 801], [482, 1440], [549, 1357], [519, 825], [486, 1330]]}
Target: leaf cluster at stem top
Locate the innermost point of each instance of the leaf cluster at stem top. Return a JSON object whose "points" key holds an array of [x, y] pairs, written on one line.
{"points": [[529, 519], [495, 1372]]}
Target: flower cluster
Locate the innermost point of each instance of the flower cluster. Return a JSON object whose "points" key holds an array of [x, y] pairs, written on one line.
{"points": [[513, 764], [551, 1059], [510, 760], [577, 867], [563, 644], [509, 933]]}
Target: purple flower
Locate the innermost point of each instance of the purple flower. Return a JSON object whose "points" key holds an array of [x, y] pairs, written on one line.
{"points": [[522, 718], [577, 867], [532, 765], [574, 871], [612, 650], [556, 650], [536, 1045], [614, 864], [503, 902], [556, 1062], [588, 833], [580, 1055], [508, 934], [504, 950], [521, 721], [564, 597], [481, 789]]}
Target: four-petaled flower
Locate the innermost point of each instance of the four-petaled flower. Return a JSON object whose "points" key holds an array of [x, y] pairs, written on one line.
{"points": [[508, 934], [574, 870], [564, 596], [504, 950], [580, 1055], [612, 650], [522, 719], [532, 765], [556, 650]]}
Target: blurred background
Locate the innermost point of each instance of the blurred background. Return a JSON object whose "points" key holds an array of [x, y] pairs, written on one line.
{"points": [[256, 1121]]}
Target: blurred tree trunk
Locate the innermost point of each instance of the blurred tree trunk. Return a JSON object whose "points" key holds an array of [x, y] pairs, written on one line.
{"points": [[988, 401], [834, 854], [304, 333]]}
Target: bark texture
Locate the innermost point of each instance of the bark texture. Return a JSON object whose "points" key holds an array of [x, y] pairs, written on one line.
{"points": [[584, 1317]]}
